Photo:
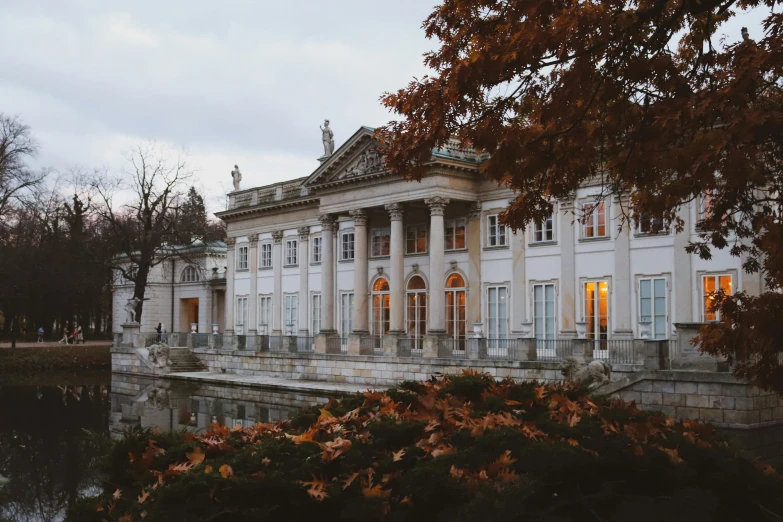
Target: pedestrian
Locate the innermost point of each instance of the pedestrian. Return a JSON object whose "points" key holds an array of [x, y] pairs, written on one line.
{"points": [[159, 329], [65, 336], [79, 335], [40, 334]]}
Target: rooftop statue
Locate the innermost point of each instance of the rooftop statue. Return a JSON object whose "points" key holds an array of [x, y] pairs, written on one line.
{"points": [[327, 136], [236, 176]]}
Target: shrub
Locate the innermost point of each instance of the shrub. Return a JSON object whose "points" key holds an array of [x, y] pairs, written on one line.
{"points": [[461, 448]]}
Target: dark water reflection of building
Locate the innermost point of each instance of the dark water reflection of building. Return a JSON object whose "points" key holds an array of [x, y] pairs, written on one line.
{"points": [[148, 403]]}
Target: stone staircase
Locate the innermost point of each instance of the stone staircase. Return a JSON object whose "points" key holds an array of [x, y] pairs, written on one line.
{"points": [[182, 360]]}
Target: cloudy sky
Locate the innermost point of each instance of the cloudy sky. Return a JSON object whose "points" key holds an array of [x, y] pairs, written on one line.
{"points": [[236, 81]]}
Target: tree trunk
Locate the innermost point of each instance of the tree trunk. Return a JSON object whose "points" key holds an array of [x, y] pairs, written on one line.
{"points": [[140, 286]]}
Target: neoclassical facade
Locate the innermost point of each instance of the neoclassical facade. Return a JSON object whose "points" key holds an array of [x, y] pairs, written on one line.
{"points": [[353, 252]]}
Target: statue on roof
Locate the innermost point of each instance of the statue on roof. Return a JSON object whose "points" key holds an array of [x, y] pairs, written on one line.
{"points": [[236, 176], [327, 136]]}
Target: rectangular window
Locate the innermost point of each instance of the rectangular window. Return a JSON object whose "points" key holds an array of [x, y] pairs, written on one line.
{"points": [[652, 305], [545, 230], [496, 231], [291, 252], [497, 312], [242, 258], [290, 314], [265, 259], [315, 320], [544, 311], [346, 246], [596, 309], [711, 285], [316, 244], [240, 316], [652, 225], [381, 239], [594, 222], [346, 314], [416, 239], [264, 314], [455, 234]]}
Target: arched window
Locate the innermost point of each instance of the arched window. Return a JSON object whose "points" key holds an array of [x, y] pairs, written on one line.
{"points": [[190, 275], [455, 309], [416, 323], [380, 310]]}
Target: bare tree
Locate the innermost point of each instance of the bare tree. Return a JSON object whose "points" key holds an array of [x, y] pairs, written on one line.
{"points": [[16, 147], [140, 209]]}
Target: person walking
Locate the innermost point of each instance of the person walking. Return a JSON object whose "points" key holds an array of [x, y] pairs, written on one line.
{"points": [[40, 334], [159, 329], [79, 335], [65, 336]]}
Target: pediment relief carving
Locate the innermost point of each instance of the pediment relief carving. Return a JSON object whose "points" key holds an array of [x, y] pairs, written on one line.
{"points": [[368, 161]]}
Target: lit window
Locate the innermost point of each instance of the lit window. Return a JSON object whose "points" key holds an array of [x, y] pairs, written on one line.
{"points": [[291, 252], [346, 246], [416, 239], [242, 258], [596, 309], [381, 239], [496, 231], [265, 259], [594, 224], [455, 234], [712, 284], [544, 231], [316, 242]]}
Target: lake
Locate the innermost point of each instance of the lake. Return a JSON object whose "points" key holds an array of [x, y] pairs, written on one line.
{"points": [[53, 436]]}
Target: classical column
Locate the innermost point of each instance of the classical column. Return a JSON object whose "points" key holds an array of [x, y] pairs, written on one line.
{"points": [[228, 331], [328, 227], [277, 294], [682, 279], [623, 328], [437, 297], [360, 272], [252, 315], [304, 284], [474, 309], [568, 293], [518, 280], [397, 269]]}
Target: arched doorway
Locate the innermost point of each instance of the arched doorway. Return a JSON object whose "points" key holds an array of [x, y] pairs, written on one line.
{"points": [[416, 313], [380, 310], [455, 310]]}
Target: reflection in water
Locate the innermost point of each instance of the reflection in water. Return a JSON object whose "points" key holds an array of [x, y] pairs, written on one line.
{"points": [[46, 458]]}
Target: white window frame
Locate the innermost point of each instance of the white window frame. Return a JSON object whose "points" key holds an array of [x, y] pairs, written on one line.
{"points": [[315, 314], [651, 280], [317, 249], [703, 287], [346, 315], [265, 255], [416, 229], [543, 286], [645, 222], [455, 224], [542, 229], [347, 245], [291, 252], [379, 233], [290, 313], [500, 329], [240, 314], [597, 318], [590, 219], [265, 313], [242, 258], [497, 233], [190, 274]]}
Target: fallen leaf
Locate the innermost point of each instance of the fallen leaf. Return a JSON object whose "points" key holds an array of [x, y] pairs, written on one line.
{"points": [[117, 494], [348, 481], [315, 488], [196, 456], [226, 471], [208, 469], [573, 442], [376, 492], [398, 455], [265, 461], [143, 496]]}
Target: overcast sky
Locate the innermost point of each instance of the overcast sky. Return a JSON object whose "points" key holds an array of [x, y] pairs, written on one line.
{"points": [[245, 82]]}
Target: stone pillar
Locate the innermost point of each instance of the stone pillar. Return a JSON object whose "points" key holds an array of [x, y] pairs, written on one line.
{"points": [[474, 308], [304, 282], [228, 332], [682, 279], [622, 291], [397, 269], [568, 294], [277, 294], [328, 227], [582, 350], [518, 280], [252, 313], [437, 247], [361, 324]]}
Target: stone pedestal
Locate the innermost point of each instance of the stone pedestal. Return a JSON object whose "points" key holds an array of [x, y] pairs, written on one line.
{"points": [[390, 345], [582, 350], [250, 341], [130, 335], [355, 345], [289, 344], [433, 348], [262, 343], [526, 350], [327, 342], [653, 353], [477, 348], [229, 340], [688, 357]]}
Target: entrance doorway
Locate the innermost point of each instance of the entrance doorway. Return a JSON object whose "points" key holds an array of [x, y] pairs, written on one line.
{"points": [[188, 313]]}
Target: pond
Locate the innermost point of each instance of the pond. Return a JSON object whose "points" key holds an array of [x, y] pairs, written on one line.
{"points": [[53, 436]]}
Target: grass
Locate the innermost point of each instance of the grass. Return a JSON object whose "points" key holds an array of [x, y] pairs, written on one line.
{"points": [[66, 359]]}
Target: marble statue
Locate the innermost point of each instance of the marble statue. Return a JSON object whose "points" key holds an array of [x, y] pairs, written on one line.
{"points": [[327, 136], [236, 176], [159, 354], [131, 308], [594, 374]]}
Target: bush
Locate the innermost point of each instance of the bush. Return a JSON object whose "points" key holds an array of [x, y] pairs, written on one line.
{"points": [[461, 448]]}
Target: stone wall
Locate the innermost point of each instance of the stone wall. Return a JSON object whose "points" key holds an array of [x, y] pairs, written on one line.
{"points": [[130, 361], [718, 398]]}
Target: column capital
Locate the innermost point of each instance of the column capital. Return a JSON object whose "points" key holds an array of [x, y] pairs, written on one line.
{"points": [[253, 238], [328, 222], [359, 216], [277, 236], [395, 211], [304, 233], [474, 212], [231, 242], [437, 204]]}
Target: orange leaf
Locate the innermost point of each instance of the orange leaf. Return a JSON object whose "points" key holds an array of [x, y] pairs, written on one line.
{"points": [[348, 481], [573, 442], [196, 456], [208, 469], [398, 455], [456, 472], [143, 496], [376, 492], [315, 488], [226, 471], [126, 518], [117, 494], [673, 455], [265, 461]]}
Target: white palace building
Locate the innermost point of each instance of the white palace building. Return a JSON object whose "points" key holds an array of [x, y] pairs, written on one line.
{"points": [[354, 253]]}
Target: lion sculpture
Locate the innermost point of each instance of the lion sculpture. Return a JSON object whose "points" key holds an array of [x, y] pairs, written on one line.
{"points": [[159, 354], [594, 374]]}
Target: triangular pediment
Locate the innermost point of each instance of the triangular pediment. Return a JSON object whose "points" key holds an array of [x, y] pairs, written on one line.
{"points": [[356, 158]]}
